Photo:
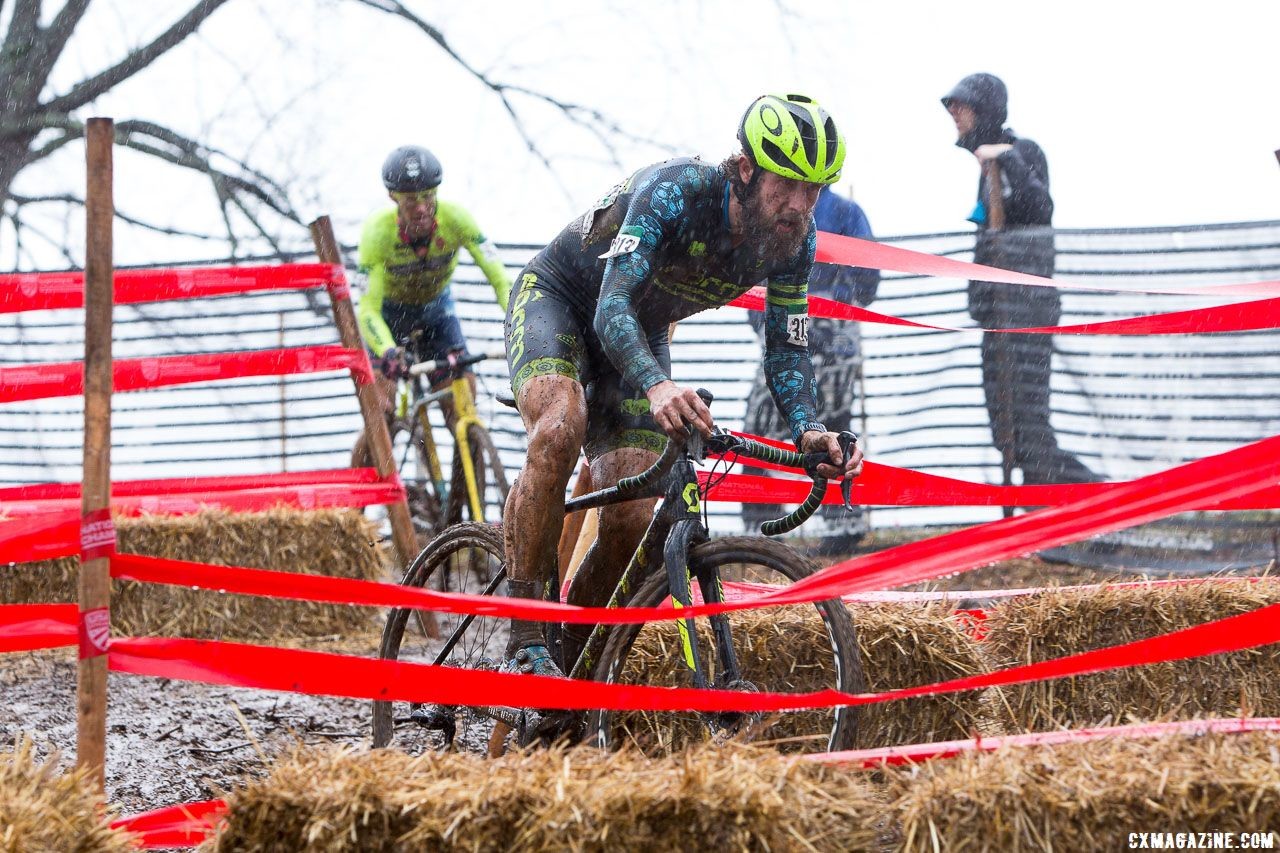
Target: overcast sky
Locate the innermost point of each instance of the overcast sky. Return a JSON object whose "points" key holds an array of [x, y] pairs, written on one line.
{"points": [[1150, 113]]}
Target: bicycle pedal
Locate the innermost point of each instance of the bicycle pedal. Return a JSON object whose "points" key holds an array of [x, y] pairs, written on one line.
{"points": [[438, 717]]}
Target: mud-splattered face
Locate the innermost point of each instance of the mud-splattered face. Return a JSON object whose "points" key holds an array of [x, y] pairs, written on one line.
{"points": [[777, 212], [416, 211]]}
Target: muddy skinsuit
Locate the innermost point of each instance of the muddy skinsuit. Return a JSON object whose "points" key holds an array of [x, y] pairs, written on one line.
{"points": [[836, 349], [596, 303]]}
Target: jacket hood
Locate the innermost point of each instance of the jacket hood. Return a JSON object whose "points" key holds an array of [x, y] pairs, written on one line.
{"points": [[987, 95]]}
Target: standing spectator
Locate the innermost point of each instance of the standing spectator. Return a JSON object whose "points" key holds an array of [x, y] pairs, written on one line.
{"points": [[835, 346], [1015, 368]]}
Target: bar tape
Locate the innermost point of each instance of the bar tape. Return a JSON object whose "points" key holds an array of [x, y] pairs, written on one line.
{"points": [[42, 291], [64, 379], [325, 674]]}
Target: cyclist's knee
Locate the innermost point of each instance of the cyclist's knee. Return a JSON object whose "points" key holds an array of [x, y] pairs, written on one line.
{"points": [[624, 523], [556, 427]]}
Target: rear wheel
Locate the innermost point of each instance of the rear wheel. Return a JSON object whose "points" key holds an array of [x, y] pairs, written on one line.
{"points": [[472, 556], [787, 649]]}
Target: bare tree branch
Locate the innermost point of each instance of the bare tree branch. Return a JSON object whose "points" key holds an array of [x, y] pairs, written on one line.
{"points": [[591, 119], [87, 90], [21, 227], [53, 39], [22, 28], [68, 198]]}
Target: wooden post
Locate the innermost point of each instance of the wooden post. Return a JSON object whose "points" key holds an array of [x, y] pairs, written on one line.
{"points": [[95, 579], [403, 538], [995, 195]]}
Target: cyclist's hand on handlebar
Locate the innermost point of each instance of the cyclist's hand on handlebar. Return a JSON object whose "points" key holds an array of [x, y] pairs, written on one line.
{"points": [[838, 467], [674, 407], [394, 364]]}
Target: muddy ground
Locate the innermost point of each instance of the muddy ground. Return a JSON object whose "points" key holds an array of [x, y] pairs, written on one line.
{"points": [[173, 742]]}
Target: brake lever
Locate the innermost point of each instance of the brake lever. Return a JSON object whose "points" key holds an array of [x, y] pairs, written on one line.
{"points": [[847, 441]]}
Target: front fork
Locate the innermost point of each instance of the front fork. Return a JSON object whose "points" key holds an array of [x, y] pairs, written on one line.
{"points": [[684, 535]]}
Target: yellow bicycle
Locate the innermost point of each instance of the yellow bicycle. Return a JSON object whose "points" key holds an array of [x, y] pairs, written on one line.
{"points": [[434, 503]]}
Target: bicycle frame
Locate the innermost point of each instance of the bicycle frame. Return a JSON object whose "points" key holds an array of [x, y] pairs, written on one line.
{"points": [[465, 415], [676, 527]]}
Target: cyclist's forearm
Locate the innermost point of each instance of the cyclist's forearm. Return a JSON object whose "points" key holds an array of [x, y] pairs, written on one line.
{"points": [[787, 366], [375, 331], [623, 340]]}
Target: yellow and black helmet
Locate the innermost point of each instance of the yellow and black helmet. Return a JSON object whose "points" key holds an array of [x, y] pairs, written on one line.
{"points": [[792, 136]]}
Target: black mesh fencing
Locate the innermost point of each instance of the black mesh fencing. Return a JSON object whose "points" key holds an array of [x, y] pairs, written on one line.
{"points": [[1125, 406]]}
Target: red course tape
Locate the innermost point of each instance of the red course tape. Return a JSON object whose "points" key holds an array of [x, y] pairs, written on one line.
{"points": [[894, 755], [851, 251], [319, 673], [41, 291], [1234, 474], [64, 379]]}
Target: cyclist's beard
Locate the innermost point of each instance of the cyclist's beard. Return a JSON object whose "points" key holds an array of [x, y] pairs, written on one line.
{"points": [[760, 228]]}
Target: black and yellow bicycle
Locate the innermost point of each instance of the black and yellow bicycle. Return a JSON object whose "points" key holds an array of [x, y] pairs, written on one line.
{"points": [[784, 649]]}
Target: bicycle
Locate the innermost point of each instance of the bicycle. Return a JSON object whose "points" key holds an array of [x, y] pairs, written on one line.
{"points": [[433, 504], [675, 549]]}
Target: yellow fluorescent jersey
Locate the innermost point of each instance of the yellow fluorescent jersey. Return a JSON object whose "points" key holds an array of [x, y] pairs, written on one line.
{"points": [[397, 273]]}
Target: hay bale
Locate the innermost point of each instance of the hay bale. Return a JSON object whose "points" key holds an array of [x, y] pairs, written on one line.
{"points": [[581, 800], [42, 809], [787, 650], [1090, 796], [1059, 623], [341, 543]]}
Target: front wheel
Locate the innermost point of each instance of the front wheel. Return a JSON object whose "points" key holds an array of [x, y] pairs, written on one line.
{"points": [[471, 555], [788, 649]]}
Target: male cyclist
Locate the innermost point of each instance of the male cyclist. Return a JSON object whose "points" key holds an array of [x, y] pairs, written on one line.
{"points": [[409, 253], [587, 335]]}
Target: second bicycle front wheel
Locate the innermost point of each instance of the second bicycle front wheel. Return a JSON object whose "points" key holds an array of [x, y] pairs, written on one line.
{"points": [[789, 649]]}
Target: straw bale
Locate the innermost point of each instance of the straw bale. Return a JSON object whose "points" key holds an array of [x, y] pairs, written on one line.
{"points": [[1090, 796], [1060, 623], [580, 800], [341, 543], [44, 810], [787, 650]]}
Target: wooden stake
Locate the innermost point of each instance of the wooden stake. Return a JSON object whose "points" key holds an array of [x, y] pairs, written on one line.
{"points": [[95, 580], [403, 538], [995, 195]]}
